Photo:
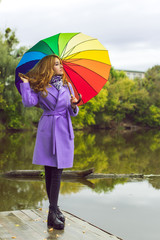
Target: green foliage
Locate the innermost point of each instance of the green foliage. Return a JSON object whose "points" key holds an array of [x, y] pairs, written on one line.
{"points": [[14, 120], [153, 74], [2, 100], [152, 84], [88, 112], [138, 100], [11, 107], [7, 62], [147, 109], [119, 101], [10, 39], [153, 116]]}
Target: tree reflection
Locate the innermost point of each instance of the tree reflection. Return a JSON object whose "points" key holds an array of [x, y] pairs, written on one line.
{"points": [[20, 194], [155, 182], [16, 151], [98, 185], [136, 152], [30, 194]]}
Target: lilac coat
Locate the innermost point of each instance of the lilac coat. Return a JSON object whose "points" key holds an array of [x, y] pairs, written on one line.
{"points": [[55, 137]]}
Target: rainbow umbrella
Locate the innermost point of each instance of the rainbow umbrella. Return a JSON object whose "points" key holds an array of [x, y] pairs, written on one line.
{"points": [[85, 61]]}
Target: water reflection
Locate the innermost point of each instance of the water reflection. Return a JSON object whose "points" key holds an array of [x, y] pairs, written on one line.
{"points": [[130, 211], [136, 152], [16, 151], [21, 194], [107, 153], [103, 202], [30, 194]]}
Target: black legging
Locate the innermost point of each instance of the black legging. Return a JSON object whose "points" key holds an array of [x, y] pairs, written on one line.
{"points": [[53, 180]]}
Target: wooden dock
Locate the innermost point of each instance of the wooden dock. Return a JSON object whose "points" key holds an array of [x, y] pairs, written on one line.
{"points": [[32, 225]]}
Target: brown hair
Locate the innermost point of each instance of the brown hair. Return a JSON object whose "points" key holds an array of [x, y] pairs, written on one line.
{"points": [[40, 75]]}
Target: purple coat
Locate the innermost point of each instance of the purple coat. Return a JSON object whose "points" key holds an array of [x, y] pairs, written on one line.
{"points": [[55, 137]]}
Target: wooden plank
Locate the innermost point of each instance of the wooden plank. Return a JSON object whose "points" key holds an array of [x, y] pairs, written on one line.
{"points": [[16, 227], [9, 226], [84, 228], [3, 231], [43, 213], [71, 231], [89, 230], [39, 224], [33, 221], [31, 224]]}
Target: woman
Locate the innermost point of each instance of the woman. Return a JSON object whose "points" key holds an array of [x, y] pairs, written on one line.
{"points": [[45, 86]]}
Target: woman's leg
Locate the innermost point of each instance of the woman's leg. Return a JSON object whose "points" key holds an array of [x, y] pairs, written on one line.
{"points": [[53, 180], [55, 187], [48, 179]]}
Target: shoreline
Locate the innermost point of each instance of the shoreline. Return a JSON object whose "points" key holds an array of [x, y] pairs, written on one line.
{"points": [[123, 126]]}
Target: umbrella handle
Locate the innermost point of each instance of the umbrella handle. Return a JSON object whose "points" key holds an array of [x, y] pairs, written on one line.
{"points": [[80, 98]]}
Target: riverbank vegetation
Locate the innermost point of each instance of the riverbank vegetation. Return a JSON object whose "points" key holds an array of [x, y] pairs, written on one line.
{"points": [[121, 99]]}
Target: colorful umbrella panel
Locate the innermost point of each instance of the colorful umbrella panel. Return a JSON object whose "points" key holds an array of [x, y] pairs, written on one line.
{"points": [[85, 60]]}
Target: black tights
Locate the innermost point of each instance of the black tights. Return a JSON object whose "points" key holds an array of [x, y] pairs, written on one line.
{"points": [[53, 180]]}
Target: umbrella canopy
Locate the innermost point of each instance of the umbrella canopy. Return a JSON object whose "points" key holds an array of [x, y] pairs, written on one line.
{"points": [[85, 61]]}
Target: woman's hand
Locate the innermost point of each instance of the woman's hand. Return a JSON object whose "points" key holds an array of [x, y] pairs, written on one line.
{"points": [[25, 80], [73, 100]]}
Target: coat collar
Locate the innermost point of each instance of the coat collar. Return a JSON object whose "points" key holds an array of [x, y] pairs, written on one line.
{"points": [[63, 89], [53, 91]]}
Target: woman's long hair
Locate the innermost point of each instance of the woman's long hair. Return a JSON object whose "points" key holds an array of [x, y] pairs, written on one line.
{"points": [[40, 75]]}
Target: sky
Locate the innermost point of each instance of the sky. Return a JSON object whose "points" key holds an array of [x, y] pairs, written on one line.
{"points": [[129, 29]]}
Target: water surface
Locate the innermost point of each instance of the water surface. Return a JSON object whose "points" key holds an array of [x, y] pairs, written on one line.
{"points": [[127, 208]]}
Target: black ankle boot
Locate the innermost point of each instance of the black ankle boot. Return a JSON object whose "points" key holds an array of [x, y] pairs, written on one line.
{"points": [[54, 221], [60, 215]]}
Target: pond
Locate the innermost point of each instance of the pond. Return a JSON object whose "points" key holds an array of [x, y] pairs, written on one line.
{"points": [[128, 208]]}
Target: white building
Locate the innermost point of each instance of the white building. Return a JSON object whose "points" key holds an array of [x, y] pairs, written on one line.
{"points": [[133, 74]]}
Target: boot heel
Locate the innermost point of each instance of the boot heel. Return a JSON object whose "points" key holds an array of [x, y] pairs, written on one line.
{"points": [[54, 222], [60, 215]]}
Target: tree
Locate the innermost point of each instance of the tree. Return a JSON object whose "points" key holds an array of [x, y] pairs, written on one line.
{"points": [[148, 111], [10, 100], [152, 84], [10, 39], [90, 111]]}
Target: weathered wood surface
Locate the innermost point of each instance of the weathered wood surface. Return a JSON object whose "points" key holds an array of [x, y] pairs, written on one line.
{"points": [[32, 224], [67, 175], [38, 173], [114, 175]]}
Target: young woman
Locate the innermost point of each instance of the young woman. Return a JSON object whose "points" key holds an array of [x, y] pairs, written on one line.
{"points": [[45, 86]]}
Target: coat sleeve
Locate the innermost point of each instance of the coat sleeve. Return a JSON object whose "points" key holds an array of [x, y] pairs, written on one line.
{"points": [[73, 113], [29, 97]]}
